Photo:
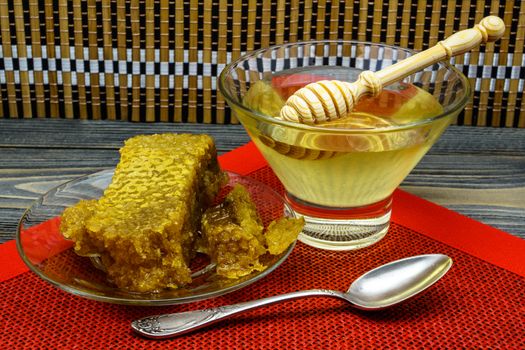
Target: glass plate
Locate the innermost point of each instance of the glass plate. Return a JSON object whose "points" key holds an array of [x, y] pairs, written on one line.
{"points": [[51, 257]]}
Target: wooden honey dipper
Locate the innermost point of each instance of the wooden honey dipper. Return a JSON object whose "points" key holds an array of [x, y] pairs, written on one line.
{"points": [[332, 99]]}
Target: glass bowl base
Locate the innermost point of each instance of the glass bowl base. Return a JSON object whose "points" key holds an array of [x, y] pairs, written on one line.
{"points": [[342, 234], [343, 229]]}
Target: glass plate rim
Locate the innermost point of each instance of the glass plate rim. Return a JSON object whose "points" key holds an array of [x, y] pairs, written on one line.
{"points": [[149, 302]]}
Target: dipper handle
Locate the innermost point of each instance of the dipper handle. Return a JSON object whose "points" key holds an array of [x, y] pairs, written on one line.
{"points": [[332, 99]]}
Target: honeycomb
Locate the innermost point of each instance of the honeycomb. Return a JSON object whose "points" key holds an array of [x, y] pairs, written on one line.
{"points": [[281, 233], [235, 239], [144, 226]]}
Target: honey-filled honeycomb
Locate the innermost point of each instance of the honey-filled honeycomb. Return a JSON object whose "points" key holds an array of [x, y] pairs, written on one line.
{"points": [[235, 238], [145, 224]]}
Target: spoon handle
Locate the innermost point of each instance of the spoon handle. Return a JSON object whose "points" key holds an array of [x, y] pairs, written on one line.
{"points": [[169, 325]]}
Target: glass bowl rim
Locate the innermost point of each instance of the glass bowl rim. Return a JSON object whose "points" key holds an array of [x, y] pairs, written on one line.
{"points": [[73, 290], [455, 107]]}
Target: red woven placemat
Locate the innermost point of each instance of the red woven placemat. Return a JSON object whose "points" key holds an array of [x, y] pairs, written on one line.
{"points": [[476, 305]]}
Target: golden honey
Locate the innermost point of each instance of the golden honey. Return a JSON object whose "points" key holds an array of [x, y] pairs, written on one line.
{"points": [[350, 162]]}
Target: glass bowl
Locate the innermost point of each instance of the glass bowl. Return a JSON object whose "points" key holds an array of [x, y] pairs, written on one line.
{"points": [[52, 258], [341, 176]]}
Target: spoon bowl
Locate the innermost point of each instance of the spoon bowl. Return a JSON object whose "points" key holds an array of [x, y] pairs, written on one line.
{"points": [[397, 281], [377, 289]]}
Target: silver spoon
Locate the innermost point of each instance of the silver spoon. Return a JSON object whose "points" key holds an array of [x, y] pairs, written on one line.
{"points": [[377, 289]]}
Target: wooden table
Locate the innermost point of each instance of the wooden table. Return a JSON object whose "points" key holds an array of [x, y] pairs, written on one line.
{"points": [[476, 171]]}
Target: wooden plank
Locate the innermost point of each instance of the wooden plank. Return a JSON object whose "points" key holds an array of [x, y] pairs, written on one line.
{"points": [[25, 90], [405, 24], [164, 50], [391, 27], [134, 8], [307, 20], [193, 56], [103, 134], [106, 134], [52, 79], [94, 77], [65, 54], [7, 51], [363, 20], [294, 19], [179, 59], [109, 77], [207, 58], [124, 75], [78, 30], [473, 170], [36, 48], [222, 57], [150, 59]]}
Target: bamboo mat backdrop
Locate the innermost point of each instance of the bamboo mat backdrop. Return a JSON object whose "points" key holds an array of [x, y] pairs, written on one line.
{"points": [[160, 60]]}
